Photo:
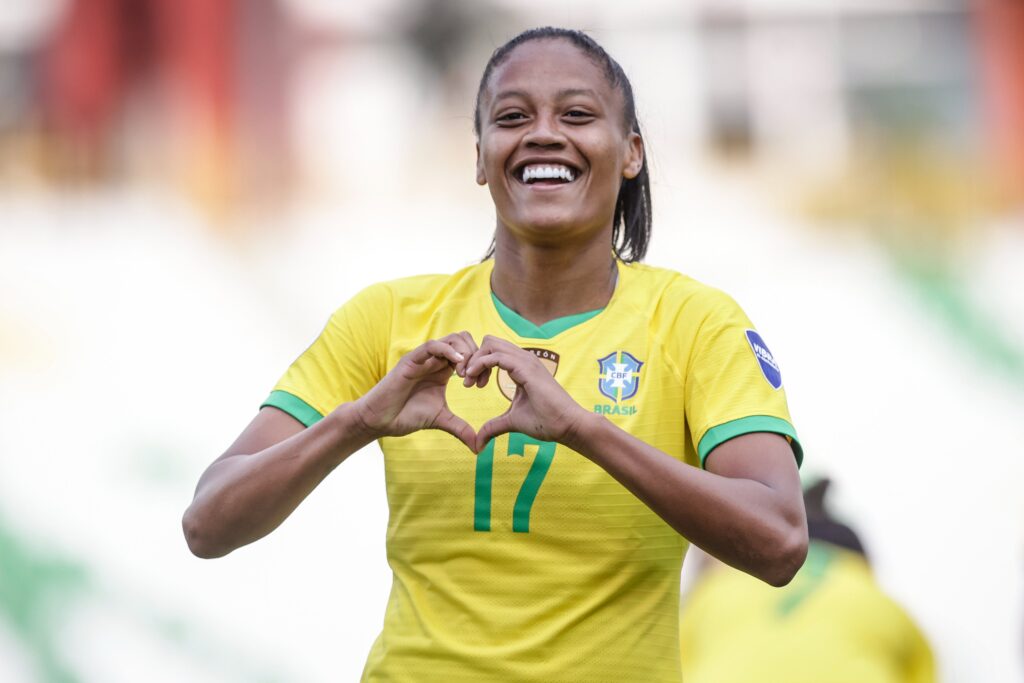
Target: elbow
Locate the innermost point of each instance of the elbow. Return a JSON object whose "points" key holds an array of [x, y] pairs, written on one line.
{"points": [[198, 538], [788, 557]]}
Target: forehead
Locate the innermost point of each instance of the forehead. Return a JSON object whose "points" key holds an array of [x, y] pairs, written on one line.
{"points": [[548, 66]]}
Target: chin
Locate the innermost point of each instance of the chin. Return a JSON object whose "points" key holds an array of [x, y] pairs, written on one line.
{"points": [[548, 230]]}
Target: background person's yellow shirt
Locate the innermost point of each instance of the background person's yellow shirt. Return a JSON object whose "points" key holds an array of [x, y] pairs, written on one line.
{"points": [[528, 562], [831, 624]]}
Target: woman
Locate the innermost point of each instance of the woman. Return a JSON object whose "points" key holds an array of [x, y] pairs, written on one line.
{"points": [[547, 545]]}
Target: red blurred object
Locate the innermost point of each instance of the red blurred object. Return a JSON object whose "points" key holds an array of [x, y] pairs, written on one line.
{"points": [[84, 74], [197, 39], [1000, 26], [103, 49]]}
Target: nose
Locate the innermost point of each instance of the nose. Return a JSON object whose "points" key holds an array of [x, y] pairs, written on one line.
{"points": [[544, 132]]}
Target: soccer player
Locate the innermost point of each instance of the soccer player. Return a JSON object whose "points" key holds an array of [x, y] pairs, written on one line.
{"points": [[831, 624], [558, 422]]}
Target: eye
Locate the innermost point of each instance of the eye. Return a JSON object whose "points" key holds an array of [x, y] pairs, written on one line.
{"points": [[510, 118], [579, 115]]}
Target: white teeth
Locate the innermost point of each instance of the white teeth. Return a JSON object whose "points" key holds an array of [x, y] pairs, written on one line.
{"points": [[548, 172]]}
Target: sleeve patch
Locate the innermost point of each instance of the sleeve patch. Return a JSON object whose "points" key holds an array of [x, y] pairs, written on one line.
{"points": [[769, 368]]}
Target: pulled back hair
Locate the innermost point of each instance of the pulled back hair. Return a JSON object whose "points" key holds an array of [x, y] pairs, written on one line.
{"points": [[631, 225]]}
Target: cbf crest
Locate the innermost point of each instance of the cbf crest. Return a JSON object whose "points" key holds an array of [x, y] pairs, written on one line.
{"points": [[620, 375]]}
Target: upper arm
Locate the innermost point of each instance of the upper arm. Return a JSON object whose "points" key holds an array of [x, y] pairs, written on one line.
{"points": [[766, 459], [270, 426], [762, 457]]}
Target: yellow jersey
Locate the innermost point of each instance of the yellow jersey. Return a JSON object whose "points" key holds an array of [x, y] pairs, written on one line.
{"points": [[528, 562], [831, 624]]}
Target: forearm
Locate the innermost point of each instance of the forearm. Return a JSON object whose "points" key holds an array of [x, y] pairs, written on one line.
{"points": [[743, 522], [241, 498]]}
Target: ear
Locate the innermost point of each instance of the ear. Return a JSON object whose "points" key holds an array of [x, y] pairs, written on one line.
{"points": [[481, 178], [634, 158]]}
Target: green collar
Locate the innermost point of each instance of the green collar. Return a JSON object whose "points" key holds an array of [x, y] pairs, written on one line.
{"points": [[524, 328]]}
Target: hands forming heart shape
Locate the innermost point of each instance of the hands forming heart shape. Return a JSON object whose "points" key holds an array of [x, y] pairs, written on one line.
{"points": [[412, 396]]}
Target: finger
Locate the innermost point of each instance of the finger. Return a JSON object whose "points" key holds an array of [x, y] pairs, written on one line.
{"points": [[486, 361], [435, 348], [471, 343], [492, 428], [469, 340], [453, 424], [459, 344], [463, 343], [477, 373], [419, 355], [492, 343], [512, 363], [432, 365], [479, 379], [445, 350], [478, 370]]}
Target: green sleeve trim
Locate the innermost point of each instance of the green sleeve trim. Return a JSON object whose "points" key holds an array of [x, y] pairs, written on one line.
{"points": [[716, 436], [294, 406], [524, 328]]}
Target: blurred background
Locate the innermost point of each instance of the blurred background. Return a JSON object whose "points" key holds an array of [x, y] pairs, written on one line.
{"points": [[188, 188]]}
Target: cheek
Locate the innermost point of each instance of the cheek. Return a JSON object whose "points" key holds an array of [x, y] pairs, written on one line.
{"points": [[496, 145], [605, 150], [608, 167]]}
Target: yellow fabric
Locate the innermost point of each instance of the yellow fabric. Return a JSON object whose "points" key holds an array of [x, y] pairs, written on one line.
{"points": [[590, 592], [831, 624]]}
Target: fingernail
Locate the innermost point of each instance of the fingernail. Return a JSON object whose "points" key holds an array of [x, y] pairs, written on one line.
{"points": [[459, 356]]}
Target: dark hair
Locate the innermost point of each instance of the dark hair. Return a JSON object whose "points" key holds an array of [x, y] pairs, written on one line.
{"points": [[822, 526], [631, 225]]}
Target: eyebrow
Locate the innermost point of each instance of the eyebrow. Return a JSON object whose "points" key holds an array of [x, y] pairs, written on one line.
{"points": [[561, 94]]}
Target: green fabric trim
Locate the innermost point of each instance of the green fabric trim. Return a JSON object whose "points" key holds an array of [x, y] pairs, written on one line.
{"points": [[524, 328], [294, 406], [716, 436]]}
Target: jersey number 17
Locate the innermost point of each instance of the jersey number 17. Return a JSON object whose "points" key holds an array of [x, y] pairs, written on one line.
{"points": [[527, 492]]}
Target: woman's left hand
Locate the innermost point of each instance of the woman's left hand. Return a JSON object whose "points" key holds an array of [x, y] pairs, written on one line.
{"points": [[540, 408]]}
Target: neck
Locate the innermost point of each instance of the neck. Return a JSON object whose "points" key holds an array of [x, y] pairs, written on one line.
{"points": [[542, 283]]}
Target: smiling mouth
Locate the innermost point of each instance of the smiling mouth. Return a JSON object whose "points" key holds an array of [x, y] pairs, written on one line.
{"points": [[546, 174]]}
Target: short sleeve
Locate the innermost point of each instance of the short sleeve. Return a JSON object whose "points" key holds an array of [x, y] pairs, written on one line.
{"points": [[733, 386], [346, 360]]}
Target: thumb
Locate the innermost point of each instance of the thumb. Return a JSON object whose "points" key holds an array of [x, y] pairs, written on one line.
{"points": [[448, 421], [492, 428]]}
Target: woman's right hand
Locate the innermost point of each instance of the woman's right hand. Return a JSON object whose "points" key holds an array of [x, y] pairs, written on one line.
{"points": [[412, 396]]}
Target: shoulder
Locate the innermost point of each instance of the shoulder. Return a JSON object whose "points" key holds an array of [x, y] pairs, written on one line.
{"points": [[415, 291], [670, 298]]}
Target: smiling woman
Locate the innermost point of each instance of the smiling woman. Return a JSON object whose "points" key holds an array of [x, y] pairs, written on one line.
{"points": [[538, 519]]}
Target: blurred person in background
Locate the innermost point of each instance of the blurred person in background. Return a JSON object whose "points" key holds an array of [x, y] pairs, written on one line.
{"points": [[832, 624], [537, 525]]}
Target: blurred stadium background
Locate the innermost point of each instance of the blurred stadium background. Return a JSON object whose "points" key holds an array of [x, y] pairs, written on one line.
{"points": [[188, 188]]}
